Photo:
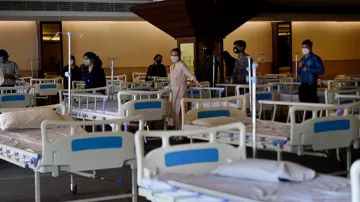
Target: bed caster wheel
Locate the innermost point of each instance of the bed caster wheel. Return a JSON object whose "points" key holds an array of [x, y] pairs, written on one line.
{"points": [[74, 189]]}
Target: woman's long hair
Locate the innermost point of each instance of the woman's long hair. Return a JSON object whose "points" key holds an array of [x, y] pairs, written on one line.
{"points": [[96, 60]]}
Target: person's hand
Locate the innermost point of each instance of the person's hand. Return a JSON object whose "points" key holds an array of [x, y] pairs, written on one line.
{"points": [[304, 69], [301, 64]]}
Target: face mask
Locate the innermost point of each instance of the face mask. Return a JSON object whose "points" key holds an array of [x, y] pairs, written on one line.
{"points": [[87, 62], [71, 62], [175, 58], [1, 60], [305, 51], [236, 50]]}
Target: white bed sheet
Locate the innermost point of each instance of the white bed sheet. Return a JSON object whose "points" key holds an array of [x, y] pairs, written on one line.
{"points": [[268, 129], [31, 139], [323, 188]]}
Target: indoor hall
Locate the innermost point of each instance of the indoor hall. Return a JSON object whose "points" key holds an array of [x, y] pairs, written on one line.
{"points": [[99, 128]]}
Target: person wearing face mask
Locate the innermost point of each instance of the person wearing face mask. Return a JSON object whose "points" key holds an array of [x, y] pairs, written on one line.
{"points": [[94, 75], [178, 74], [75, 72], [309, 68], [157, 69], [9, 69], [206, 65], [241, 64]]}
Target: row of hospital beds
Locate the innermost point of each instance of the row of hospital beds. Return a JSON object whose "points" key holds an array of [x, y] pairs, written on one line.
{"points": [[184, 172]]}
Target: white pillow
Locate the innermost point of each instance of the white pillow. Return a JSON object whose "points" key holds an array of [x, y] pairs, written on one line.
{"points": [[266, 171], [27, 119], [214, 121]]}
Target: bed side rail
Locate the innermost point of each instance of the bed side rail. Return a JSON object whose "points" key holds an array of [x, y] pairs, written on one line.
{"points": [[89, 151], [330, 132], [330, 95], [17, 97], [206, 92], [187, 158]]}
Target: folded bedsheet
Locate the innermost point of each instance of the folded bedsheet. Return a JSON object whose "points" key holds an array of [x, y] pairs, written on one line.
{"points": [[322, 188]]}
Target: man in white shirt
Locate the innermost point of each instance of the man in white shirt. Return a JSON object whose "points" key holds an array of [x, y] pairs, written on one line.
{"points": [[9, 69]]}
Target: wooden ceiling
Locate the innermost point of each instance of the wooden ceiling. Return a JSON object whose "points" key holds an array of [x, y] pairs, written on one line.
{"points": [[197, 18]]}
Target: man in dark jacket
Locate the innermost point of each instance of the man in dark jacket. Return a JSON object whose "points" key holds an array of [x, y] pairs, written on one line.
{"points": [[310, 67]]}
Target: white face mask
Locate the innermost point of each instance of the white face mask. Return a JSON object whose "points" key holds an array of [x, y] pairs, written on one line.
{"points": [[71, 62], [305, 51], [175, 58]]}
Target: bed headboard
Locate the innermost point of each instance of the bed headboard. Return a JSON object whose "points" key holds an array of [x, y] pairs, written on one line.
{"points": [[222, 108], [330, 95], [153, 105], [187, 158], [336, 131]]}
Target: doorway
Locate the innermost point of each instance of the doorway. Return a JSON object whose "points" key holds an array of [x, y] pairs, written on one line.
{"points": [[282, 47], [51, 48]]}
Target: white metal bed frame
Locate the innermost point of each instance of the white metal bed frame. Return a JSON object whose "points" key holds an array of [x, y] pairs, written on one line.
{"points": [[47, 87], [157, 162], [59, 156], [302, 137], [17, 97]]}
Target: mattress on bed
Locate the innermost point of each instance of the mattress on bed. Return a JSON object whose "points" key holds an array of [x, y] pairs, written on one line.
{"points": [[31, 139], [266, 129], [322, 188]]}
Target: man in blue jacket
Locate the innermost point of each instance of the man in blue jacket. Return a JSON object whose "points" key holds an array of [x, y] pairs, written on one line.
{"points": [[310, 67]]}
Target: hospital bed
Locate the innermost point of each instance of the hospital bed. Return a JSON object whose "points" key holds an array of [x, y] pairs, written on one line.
{"points": [[316, 134], [138, 77], [153, 105], [191, 173], [47, 87], [117, 78], [17, 97], [64, 146]]}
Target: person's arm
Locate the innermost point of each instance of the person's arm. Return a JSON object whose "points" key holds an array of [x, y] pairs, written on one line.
{"points": [[148, 73], [163, 71], [190, 75], [319, 67], [16, 71]]}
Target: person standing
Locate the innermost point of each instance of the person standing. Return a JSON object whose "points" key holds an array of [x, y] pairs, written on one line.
{"points": [[76, 74], [229, 63], [9, 69], [94, 74], [157, 69], [241, 64], [178, 74], [206, 72], [310, 67]]}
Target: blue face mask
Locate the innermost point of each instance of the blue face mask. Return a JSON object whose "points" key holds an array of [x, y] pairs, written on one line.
{"points": [[1, 60], [87, 62]]}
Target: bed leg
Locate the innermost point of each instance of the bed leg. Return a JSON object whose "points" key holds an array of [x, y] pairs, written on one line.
{"points": [[37, 186], [338, 155], [134, 184], [348, 161]]}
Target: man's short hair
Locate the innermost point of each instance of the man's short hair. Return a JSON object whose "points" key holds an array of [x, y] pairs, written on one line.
{"points": [[240, 43], [308, 42]]}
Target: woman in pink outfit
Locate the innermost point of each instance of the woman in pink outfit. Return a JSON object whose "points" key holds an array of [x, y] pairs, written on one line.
{"points": [[178, 74]]}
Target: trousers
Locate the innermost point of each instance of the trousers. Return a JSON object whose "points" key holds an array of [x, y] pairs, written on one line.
{"points": [[308, 93]]}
